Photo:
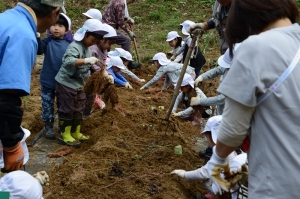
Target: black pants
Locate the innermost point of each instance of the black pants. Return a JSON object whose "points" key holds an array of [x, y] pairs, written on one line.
{"points": [[10, 119]]}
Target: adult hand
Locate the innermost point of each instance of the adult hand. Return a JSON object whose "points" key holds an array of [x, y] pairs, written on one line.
{"points": [[42, 177], [200, 26], [132, 35], [91, 60], [130, 20], [179, 172], [142, 80], [127, 85], [217, 166], [195, 101], [13, 157], [198, 80]]}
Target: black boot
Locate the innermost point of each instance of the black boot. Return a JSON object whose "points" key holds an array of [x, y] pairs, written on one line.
{"points": [[49, 130], [134, 65]]}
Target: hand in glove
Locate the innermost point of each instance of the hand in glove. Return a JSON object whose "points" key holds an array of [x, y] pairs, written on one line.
{"points": [[195, 101], [142, 80], [132, 35], [91, 60], [127, 85], [108, 77], [142, 88], [200, 26], [173, 57], [130, 20], [13, 157], [217, 166], [173, 114], [179, 172], [42, 177], [198, 80]]}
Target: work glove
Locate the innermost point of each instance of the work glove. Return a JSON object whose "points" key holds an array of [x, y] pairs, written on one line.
{"points": [[127, 85], [179, 172], [132, 35], [217, 167], [192, 28], [108, 77], [42, 177], [198, 80], [142, 88], [173, 57], [13, 157], [130, 20], [91, 60], [173, 114], [142, 80], [195, 101]]}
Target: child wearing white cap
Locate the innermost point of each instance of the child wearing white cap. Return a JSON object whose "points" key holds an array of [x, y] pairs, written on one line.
{"points": [[93, 14], [71, 79], [190, 113], [197, 60], [175, 41], [114, 66], [172, 71], [54, 48]]}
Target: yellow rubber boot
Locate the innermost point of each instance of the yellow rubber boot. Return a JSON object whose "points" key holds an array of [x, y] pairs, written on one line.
{"points": [[79, 136], [65, 137]]}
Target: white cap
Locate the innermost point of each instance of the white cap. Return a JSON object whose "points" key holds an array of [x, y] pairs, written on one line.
{"points": [[185, 26], [24, 147], [225, 60], [187, 80], [68, 20], [93, 14], [21, 185], [172, 35], [90, 25], [111, 32], [115, 61], [120, 52], [213, 125], [161, 58]]}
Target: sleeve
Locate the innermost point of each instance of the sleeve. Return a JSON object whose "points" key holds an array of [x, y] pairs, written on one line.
{"points": [[95, 67], [166, 82], [177, 101], [213, 101], [181, 49], [42, 45], [198, 174], [212, 73], [130, 74], [178, 58], [158, 75], [120, 10], [236, 122], [186, 112], [119, 79], [200, 92], [69, 59]]}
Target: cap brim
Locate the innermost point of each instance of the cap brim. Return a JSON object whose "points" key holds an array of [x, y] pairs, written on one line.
{"points": [[79, 35], [121, 67], [170, 39], [184, 31], [63, 9], [88, 15], [222, 63]]}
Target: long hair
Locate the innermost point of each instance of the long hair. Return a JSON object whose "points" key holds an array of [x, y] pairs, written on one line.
{"points": [[249, 17]]}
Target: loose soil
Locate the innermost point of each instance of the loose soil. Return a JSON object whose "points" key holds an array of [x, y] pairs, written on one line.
{"points": [[128, 155]]}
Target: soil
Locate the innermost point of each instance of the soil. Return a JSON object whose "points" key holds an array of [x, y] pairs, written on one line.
{"points": [[129, 154]]}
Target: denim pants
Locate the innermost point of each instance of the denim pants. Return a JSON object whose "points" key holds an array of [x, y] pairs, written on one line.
{"points": [[48, 98]]}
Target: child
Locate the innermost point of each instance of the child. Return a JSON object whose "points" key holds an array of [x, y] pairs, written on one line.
{"points": [[171, 69], [126, 58], [114, 66], [175, 41], [191, 113], [68, 36], [93, 14], [71, 78], [54, 48], [197, 59]]}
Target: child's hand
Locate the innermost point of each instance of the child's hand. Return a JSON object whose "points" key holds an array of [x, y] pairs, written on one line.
{"points": [[91, 60], [127, 85]]}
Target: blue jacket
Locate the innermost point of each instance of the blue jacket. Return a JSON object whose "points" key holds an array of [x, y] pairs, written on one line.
{"points": [[118, 78], [18, 48]]}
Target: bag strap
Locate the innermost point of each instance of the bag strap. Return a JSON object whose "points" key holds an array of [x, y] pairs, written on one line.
{"points": [[281, 79]]}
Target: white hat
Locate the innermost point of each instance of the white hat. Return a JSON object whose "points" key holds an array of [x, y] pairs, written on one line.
{"points": [[68, 20], [93, 14], [213, 125], [24, 147], [187, 80], [115, 61], [120, 52], [161, 58], [172, 35], [225, 60], [21, 185], [185, 26], [90, 25], [111, 32]]}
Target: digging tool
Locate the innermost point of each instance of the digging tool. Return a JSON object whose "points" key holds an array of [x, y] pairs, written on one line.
{"points": [[186, 61], [135, 45]]}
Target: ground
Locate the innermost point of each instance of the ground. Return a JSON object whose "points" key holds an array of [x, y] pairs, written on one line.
{"points": [[128, 155]]}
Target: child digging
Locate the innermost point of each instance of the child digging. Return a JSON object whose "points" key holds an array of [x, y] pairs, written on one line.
{"points": [[54, 48], [71, 79]]}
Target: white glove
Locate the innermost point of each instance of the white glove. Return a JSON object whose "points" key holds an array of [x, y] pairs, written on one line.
{"points": [[132, 35], [179, 172], [91, 60], [142, 88], [173, 57], [108, 77], [142, 80], [130, 20], [42, 177], [196, 26], [195, 101], [38, 35], [217, 166], [127, 85], [173, 114], [198, 80]]}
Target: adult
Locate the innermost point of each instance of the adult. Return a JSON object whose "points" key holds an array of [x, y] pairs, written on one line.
{"points": [[28, 18], [270, 34], [218, 21], [115, 14]]}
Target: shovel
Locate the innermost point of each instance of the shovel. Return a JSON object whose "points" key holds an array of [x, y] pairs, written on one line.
{"points": [[135, 45]]}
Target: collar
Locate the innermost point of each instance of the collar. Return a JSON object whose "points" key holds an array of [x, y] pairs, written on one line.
{"points": [[31, 12]]}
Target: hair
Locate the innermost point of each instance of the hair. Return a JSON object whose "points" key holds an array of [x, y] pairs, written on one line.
{"points": [[123, 59], [62, 21], [179, 41], [109, 40], [249, 17], [41, 10], [94, 34]]}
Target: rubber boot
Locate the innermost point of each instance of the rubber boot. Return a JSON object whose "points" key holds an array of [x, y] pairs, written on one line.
{"points": [[75, 130], [65, 138], [134, 65], [49, 134]]}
